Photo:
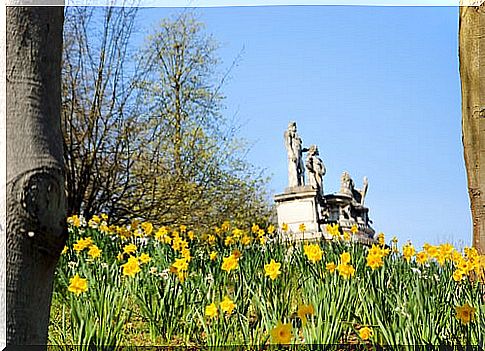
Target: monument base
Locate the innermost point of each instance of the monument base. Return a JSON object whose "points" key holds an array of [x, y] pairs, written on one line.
{"points": [[297, 206], [303, 205]]}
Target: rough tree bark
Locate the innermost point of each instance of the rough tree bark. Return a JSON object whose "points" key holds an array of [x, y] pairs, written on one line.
{"points": [[35, 180], [472, 73]]}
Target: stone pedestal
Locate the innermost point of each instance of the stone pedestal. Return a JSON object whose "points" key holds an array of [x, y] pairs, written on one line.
{"points": [[344, 210], [296, 206]]}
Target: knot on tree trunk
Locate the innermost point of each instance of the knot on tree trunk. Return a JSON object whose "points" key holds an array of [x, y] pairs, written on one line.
{"points": [[36, 202]]}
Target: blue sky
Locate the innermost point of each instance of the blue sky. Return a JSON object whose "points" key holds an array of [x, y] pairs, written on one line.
{"points": [[376, 88]]}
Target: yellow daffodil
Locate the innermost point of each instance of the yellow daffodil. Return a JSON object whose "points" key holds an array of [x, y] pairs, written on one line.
{"points": [[131, 267], [186, 254], [94, 251], [129, 249], [229, 263], [161, 233], [470, 252], [313, 252], [374, 261], [123, 232], [282, 333], [229, 240], [446, 250], [147, 228], [408, 252], [211, 310], [333, 229], [237, 254], [284, 227], [378, 251], [255, 228], [304, 311], [331, 266], [94, 222], [191, 235], [455, 256], [421, 257], [458, 275], [103, 228], [270, 229], [77, 285], [347, 236], [82, 244], [302, 227], [180, 264], [381, 238], [74, 220], [365, 333], [345, 257], [272, 269], [246, 240], [144, 258], [134, 224], [227, 305], [211, 239], [464, 266], [346, 270], [354, 229], [236, 233], [465, 313], [226, 226], [431, 250]]}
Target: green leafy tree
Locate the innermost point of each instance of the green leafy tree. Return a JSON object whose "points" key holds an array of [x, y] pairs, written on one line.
{"points": [[194, 169]]}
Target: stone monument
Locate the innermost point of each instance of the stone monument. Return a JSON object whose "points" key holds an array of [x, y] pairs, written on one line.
{"points": [[308, 205], [293, 143], [316, 169]]}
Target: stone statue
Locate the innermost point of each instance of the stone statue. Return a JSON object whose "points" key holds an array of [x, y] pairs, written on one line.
{"points": [[294, 148], [359, 194], [345, 212], [316, 169], [346, 184], [347, 187], [363, 192]]}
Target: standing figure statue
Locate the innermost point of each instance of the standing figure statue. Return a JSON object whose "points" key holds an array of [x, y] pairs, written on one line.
{"points": [[316, 169], [294, 148]]}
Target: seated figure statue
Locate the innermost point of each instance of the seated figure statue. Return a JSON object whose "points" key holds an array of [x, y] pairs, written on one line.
{"points": [[346, 184]]}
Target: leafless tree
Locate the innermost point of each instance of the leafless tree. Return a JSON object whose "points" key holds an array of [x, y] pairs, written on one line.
{"points": [[472, 73]]}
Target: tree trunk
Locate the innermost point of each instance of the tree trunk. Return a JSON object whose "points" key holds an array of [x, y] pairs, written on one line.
{"points": [[35, 180], [472, 73]]}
